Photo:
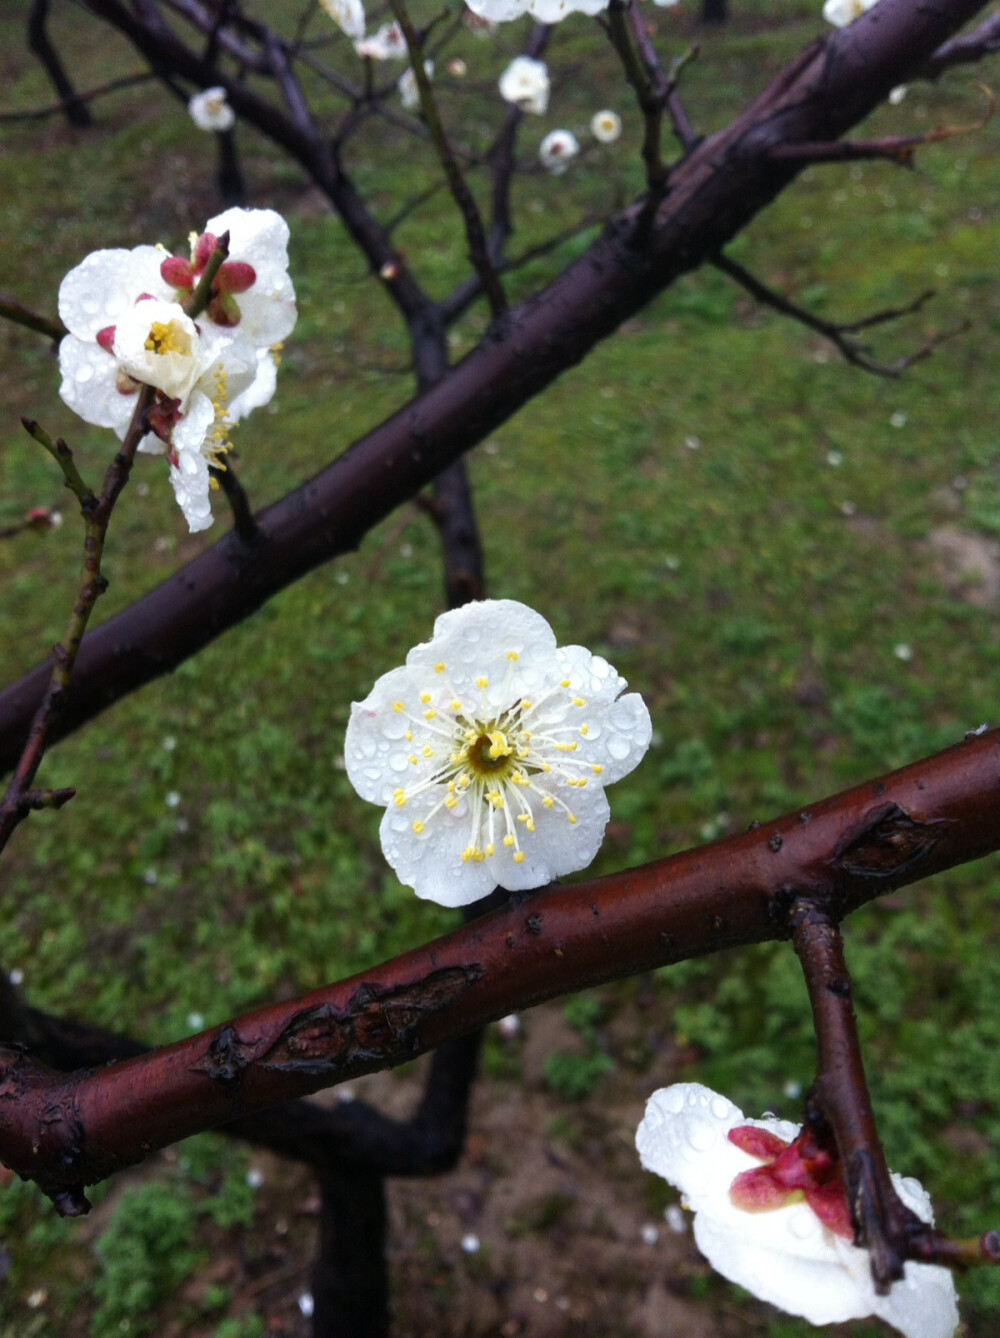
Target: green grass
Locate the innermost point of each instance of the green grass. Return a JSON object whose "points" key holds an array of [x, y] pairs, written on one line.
{"points": [[713, 500]]}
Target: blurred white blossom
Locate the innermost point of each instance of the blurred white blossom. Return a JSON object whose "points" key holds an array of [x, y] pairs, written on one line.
{"points": [[606, 126], [556, 150], [525, 82], [210, 111]]}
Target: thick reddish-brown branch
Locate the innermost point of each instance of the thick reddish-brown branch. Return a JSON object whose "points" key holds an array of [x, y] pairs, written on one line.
{"points": [[66, 1131]]}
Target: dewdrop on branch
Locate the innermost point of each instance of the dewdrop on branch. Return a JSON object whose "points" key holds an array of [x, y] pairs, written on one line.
{"points": [[490, 750], [771, 1215]]}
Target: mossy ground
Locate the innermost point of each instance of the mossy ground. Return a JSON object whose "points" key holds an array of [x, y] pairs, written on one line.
{"points": [[793, 562]]}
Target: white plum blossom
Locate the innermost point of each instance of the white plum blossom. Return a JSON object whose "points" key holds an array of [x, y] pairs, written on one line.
{"points": [[349, 15], [542, 11], [606, 126], [525, 82], [210, 111], [407, 85], [386, 44], [842, 12], [124, 311], [556, 150], [787, 1247], [490, 750]]}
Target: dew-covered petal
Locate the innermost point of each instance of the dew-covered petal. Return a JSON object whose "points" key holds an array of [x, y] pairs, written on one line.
{"points": [[90, 387], [556, 846], [432, 863], [104, 286], [476, 640], [191, 488]]}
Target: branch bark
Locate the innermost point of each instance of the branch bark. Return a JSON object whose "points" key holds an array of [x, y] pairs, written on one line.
{"points": [[67, 1131]]}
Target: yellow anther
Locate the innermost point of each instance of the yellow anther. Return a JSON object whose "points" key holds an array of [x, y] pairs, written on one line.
{"points": [[597, 769], [508, 840], [425, 697], [546, 766], [519, 857], [428, 750], [548, 802], [579, 701], [584, 729], [519, 778], [412, 760], [525, 705], [439, 667], [399, 798], [430, 713], [579, 784], [464, 782], [571, 817], [499, 747], [522, 817], [470, 736], [564, 683], [419, 827], [451, 802], [398, 707], [168, 337], [409, 736], [566, 747], [512, 655], [531, 824], [455, 706], [467, 854], [489, 849], [479, 856], [495, 798], [482, 681]]}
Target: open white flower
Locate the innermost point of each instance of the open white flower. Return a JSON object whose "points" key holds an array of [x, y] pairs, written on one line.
{"points": [[786, 1254], [386, 44], [542, 11], [407, 85], [349, 15], [556, 150], [842, 12], [127, 328], [490, 749], [525, 82], [210, 111], [606, 126]]}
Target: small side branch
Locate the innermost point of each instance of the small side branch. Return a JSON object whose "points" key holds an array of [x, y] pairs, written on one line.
{"points": [[839, 332], [77, 99], [839, 1111], [38, 41], [469, 210], [32, 320]]}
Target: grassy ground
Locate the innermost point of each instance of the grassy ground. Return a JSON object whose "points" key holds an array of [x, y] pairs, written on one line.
{"points": [[796, 564]]}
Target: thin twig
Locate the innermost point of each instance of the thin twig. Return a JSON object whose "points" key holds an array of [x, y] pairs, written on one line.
{"points": [[32, 320], [74, 99], [463, 197], [838, 332]]}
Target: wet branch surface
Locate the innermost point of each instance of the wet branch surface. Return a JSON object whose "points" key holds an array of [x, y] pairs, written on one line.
{"points": [[67, 1131], [714, 192]]}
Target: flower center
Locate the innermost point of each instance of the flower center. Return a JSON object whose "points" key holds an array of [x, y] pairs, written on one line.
{"points": [[168, 337], [491, 755]]}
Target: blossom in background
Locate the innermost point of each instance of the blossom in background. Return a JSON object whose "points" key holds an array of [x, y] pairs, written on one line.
{"points": [[349, 15], [842, 12], [556, 150], [490, 750], [210, 111], [606, 126], [386, 44], [127, 328], [771, 1215], [542, 11], [525, 82], [407, 85]]}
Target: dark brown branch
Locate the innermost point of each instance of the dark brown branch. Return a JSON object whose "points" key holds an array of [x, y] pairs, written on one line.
{"points": [[76, 110], [722, 184], [74, 99], [32, 320], [839, 1099], [838, 332], [68, 1131], [965, 50]]}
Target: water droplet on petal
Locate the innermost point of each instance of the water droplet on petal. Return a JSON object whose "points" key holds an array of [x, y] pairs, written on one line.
{"points": [[618, 747]]}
